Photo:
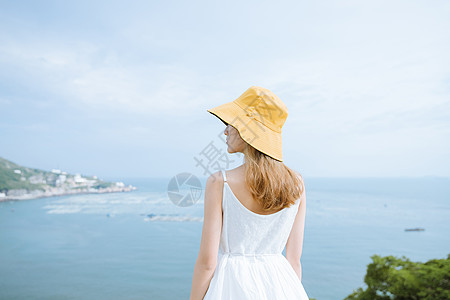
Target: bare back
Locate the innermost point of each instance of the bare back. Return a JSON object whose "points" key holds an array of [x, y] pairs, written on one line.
{"points": [[236, 182]]}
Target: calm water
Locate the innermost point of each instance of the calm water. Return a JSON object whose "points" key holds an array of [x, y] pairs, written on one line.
{"points": [[104, 246]]}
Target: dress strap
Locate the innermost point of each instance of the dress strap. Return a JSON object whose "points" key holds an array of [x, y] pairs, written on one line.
{"points": [[224, 176]]}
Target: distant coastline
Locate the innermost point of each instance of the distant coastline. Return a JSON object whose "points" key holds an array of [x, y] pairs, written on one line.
{"points": [[23, 183], [34, 194]]}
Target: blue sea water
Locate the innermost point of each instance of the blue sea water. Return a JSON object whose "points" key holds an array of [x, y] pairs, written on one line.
{"points": [[106, 247]]}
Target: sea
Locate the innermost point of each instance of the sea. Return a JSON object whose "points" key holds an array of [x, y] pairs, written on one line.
{"points": [[140, 245]]}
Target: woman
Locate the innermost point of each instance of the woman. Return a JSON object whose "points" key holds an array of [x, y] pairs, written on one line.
{"points": [[253, 211]]}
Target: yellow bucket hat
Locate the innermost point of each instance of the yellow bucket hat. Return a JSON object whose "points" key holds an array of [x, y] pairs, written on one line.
{"points": [[258, 115]]}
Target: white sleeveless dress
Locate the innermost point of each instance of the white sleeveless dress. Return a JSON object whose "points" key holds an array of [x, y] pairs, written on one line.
{"points": [[250, 262]]}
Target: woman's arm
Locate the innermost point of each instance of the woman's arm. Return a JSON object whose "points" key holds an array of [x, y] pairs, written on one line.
{"points": [[209, 245], [294, 244], [297, 268]]}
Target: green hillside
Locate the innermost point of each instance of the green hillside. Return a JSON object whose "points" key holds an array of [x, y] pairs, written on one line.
{"points": [[11, 179], [16, 177]]}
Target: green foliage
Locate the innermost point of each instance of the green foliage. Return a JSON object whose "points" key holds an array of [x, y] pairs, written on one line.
{"points": [[401, 279], [10, 180], [103, 185]]}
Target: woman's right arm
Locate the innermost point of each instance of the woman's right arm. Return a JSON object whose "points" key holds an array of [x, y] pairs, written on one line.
{"points": [[294, 243]]}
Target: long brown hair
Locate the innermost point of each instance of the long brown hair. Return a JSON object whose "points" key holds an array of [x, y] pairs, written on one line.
{"points": [[272, 184]]}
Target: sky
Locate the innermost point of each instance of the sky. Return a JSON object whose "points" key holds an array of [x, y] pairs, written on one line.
{"points": [[121, 89]]}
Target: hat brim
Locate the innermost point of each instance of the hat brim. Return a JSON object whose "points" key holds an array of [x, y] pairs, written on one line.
{"points": [[250, 129]]}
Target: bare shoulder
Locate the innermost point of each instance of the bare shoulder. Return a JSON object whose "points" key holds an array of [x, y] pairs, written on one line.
{"points": [[302, 184], [213, 189], [236, 174], [215, 179], [299, 175], [214, 183]]}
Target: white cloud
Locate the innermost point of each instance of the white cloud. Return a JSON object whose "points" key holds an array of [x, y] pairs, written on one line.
{"points": [[361, 80]]}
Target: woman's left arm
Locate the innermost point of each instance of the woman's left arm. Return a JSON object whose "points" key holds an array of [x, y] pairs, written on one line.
{"points": [[209, 245]]}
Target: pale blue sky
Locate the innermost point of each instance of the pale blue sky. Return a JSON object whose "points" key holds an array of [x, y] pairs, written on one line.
{"points": [[121, 89]]}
